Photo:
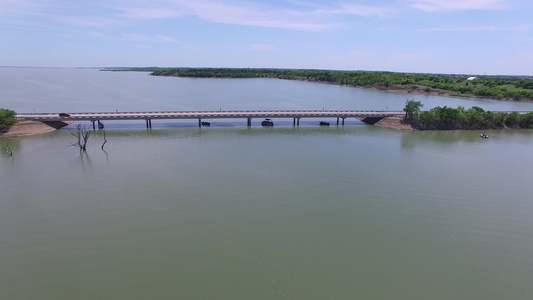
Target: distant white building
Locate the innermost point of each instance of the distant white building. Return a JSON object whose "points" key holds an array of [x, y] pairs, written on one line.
{"points": [[471, 78]]}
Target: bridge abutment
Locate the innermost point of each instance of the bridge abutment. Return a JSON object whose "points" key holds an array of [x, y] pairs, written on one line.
{"points": [[371, 120]]}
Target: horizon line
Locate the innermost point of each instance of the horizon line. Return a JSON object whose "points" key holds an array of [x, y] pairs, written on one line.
{"points": [[318, 69]]}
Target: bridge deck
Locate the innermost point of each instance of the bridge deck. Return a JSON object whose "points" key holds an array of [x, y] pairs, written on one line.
{"points": [[208, 115]]}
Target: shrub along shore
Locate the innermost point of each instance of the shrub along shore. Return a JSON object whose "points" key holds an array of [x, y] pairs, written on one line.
{"points": [[447, 118], [490, 87], [7, 119]]}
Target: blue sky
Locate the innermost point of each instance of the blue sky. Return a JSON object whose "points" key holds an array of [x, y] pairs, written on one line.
{"points": [[434, 36]]}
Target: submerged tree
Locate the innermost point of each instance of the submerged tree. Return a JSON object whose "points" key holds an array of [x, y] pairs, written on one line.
{"points": [[9, 151], [105, 141], [82, 135]]}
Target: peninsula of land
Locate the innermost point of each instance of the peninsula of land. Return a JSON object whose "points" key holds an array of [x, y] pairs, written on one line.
{"points": [[516, 88]]}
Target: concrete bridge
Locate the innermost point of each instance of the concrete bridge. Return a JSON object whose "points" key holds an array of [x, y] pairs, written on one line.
{"points": [[369, 117]]}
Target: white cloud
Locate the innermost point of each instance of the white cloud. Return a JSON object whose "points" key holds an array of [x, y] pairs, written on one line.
{"points": [[519, 28], [231, 12], [150, 13], [451, 5], [139, 37], [368, 10], [258, 15], [134, 37], [87, 21]]}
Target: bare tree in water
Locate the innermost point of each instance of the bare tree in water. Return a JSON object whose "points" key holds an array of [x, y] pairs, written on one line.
{"points": [[105, 141], [82, 135], [9, 151]]}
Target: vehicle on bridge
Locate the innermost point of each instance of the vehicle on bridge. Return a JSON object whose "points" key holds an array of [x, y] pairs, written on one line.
{"points": [[267, 122], [64, 115]]}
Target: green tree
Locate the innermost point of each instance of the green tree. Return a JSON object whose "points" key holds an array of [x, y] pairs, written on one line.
{"points": [[7, 118], [526, 120], [512, 120], [412, 108]]}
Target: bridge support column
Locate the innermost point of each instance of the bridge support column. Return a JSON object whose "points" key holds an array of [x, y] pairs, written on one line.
{"points": [[337, 121], [94, 127], [249, 122], [148, 123], [199, 122], [343, 121], [296, 121]]}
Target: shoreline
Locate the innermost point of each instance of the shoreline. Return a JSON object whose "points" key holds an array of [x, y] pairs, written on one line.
{"points": [[29, 128], [433, 92], [419, 90], [394, 123], [412, 88]]}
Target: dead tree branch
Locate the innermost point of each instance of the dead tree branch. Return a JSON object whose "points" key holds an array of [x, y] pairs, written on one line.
{"points": [[82, 134], [9, 151], [105, 141]]}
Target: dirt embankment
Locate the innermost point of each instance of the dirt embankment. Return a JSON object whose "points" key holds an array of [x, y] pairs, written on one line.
{"points": [[394, 123], [25, 128]]}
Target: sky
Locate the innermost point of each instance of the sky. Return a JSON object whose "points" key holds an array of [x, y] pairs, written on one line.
{"points": [[492, 37]]}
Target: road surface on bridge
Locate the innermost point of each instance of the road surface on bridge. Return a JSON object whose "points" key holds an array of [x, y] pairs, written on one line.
{"points": [[88, 116]]}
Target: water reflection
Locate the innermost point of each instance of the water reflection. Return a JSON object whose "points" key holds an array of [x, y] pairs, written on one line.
{"points": [[447, 137]]}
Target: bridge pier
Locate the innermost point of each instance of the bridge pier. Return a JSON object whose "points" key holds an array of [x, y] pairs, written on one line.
{"points": [[249, 122], [94, 126], [296, 121], [148, 123], [199, 122]]}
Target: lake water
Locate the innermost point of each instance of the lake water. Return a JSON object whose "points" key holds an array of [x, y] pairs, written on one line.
{"points": [[231, 212]]}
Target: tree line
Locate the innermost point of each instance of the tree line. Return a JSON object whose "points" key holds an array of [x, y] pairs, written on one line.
{"points": [[447, 118], [511, 88]]}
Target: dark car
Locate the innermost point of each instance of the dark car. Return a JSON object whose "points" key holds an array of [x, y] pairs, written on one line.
{"points": [[267, 122], [64, 115]]}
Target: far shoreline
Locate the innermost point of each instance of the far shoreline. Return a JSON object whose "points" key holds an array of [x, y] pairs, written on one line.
{"points": [[414, 89], [506, 88]]}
